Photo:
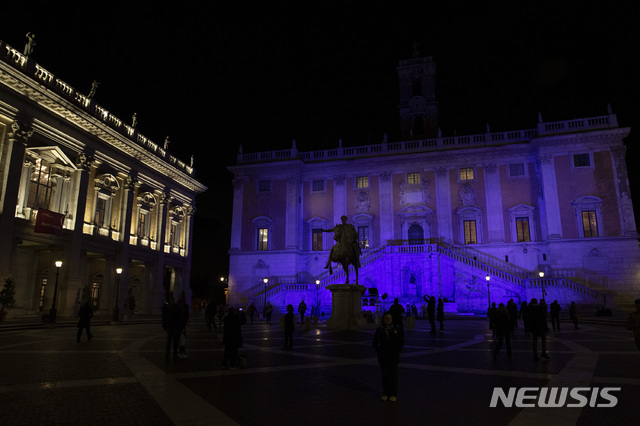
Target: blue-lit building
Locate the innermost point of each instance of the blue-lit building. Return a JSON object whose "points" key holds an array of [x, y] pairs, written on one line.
{"points": [[472, 219]]}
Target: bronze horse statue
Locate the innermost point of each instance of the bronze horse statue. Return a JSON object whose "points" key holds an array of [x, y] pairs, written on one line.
{"points": [[346, 251]]}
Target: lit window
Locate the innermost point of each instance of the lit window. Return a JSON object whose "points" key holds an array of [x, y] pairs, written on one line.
{"points": [[317, 186], [470, 236], [413, 178], [316, 239], [101, 212], [143, 224], [174, 234], [589, 223], [95, 295], [581, 160], [362, 182], [40, 186], [264, 186], [363, 236], [516, 169], [466, 173], [522, 229], [263, 238]]}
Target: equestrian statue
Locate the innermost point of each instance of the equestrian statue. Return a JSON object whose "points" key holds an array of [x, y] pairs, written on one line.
{"points": [[346, 251]]}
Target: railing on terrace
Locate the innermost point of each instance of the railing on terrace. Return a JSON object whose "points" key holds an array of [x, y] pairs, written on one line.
{"points": [[564, 283], [519, 278], [28, 66], [436, 144]]}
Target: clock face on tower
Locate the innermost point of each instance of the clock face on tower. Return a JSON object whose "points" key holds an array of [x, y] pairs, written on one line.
{"points": [[417, 105]]}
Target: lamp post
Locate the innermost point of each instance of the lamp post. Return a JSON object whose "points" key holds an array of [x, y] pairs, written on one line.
{"points": [[116, 310], [53, 312], [318, 297], [265, 280], [488, 290], [541, 274]]}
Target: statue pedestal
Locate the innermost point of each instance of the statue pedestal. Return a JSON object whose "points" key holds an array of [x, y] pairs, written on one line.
{"points": [[346, 309]]}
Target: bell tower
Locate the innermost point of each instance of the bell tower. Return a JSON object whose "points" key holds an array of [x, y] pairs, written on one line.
{"points": [[418, 107]]}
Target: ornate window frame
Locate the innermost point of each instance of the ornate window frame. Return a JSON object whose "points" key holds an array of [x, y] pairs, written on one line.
{"points": [[469, 213], [522, 210], [588, 203], [262, 222]]}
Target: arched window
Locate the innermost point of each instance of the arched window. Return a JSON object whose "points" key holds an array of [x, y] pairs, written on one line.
{"points": [[416, 234], [588, 210]]}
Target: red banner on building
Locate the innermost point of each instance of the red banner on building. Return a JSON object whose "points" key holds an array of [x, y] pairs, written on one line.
{"points": [[48, 222]]}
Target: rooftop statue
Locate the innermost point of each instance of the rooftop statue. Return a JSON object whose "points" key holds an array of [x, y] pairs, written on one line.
{"points": [[94, 88], [28, 48], [346, 251]]}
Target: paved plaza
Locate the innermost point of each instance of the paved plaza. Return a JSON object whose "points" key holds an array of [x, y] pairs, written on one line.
{"points": [[329, 378]]}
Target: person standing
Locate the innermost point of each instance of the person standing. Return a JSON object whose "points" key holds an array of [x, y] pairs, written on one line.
{"points": [[397, 313], [210, 314], [182, 342], [252, 311], [231, 339], [431, 312], [491, 314], [502, 323], [574, 314], [302, 308], [440, 313], [538, 320], [554, 312], [268, 310], [523, 316], [388, 341], [633, 323], [289, 326], [512, 308], [172, 323], [85, 313]]}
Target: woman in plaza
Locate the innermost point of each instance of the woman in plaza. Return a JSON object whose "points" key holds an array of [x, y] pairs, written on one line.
{"points": [[388, 342]]}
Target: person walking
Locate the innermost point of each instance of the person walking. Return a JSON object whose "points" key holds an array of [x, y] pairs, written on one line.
{"points": [[85, 313], [512, 308], [182, 342], [554, 312], [388, 341], [289, 326], [210, 314], [431, 312], [633, 323], [491, 314], [523, 316], [440, 313], [172, 323], [231, 339], [503, 326], [302, 308], [268, 310], [574, 315], [538, 323]]}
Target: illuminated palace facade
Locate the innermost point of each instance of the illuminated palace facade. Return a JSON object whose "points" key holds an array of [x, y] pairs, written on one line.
{"points": [[81, 186], [472, 219]]}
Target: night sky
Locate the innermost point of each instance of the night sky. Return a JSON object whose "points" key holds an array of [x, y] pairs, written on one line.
{"points": [[218, 75]]}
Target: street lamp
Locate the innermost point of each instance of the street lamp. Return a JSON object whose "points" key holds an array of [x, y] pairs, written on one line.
{"points": [[318, 297], [265, 280], [116, 311], [488, 291], [53, 312], [541, 274]]}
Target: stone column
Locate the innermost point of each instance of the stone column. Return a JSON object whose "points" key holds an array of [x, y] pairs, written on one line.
{"points": [[443, 204], [292, 214], [385, 191], [16, 147], [339, 199], [236, 217], [548, 199], [495, 214], [623, 193]]}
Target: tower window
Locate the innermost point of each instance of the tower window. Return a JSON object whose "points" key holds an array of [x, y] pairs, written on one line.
{"points": [[522, 229], [316, 239], [263, 239], [581, 160], [264, 186], [317, 186], [590, 223], [362, 182], [466, 173], [413, 178]]}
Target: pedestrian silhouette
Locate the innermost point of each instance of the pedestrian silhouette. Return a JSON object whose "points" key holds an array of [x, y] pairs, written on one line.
{"points": [[85, 313], [502, 323], [388, 341]]}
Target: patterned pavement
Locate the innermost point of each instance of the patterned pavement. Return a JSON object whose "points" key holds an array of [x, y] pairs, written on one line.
{"points": [[330, 377]]}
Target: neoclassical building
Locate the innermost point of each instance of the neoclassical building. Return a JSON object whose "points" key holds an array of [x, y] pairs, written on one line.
{"points": [[474, 219], [81, 186]]}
